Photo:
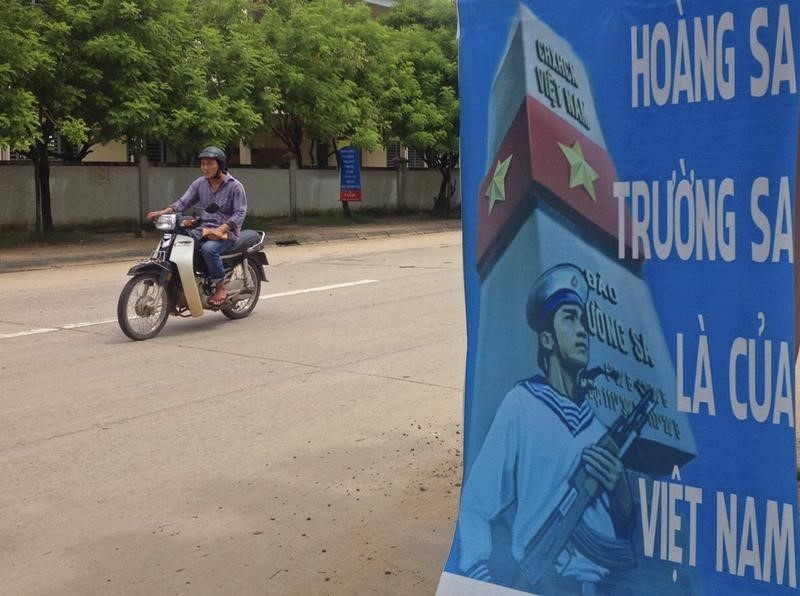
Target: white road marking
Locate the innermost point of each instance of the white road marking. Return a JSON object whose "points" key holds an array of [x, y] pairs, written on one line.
{"points": [[89, 324], [30, 332], [321, 289], [106, 321]]}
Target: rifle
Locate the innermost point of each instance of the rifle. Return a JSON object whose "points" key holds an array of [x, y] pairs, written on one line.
{"points": [[543, 550]]}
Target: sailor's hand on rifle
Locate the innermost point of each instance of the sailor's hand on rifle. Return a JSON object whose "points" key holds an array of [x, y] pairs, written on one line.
{"points": [[603, 465]]}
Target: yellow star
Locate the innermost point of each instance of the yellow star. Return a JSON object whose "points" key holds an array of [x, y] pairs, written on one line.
{"points": [[581, 173], [497, 187]]}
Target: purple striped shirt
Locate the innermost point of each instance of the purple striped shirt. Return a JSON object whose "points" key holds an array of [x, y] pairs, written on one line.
{"points": [[230, 197]]}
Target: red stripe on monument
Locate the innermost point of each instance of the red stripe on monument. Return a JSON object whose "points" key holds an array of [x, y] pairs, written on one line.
{"points": [[533, 142], [552, 170], [518, 180]]}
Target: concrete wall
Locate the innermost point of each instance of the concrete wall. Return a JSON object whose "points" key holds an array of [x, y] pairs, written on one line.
{"points": [[422, 186], [267, 190], [85, 193], [95, 192], [17, 195], [378, 189]]}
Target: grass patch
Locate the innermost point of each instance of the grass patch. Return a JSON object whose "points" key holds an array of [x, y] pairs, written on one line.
{"points": [[11, 238], [16, 236]]}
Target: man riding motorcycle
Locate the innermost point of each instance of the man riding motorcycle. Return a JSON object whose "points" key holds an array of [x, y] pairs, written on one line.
{"points": [[221, 227]]}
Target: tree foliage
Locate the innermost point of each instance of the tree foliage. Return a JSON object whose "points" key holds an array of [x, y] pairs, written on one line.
{"points": [[330, 55], [425, 115], [223, 85], [100, 70], [19, 56], [197, 72]]}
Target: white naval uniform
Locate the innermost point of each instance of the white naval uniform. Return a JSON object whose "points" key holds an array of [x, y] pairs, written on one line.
{"points": [[530, 450]]}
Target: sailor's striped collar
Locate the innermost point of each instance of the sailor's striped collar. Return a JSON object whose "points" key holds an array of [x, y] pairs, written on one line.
{"points": [[575, 417]]}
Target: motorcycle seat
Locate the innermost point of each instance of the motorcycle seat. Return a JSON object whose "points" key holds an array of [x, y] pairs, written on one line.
{"points": [[248, 241]]}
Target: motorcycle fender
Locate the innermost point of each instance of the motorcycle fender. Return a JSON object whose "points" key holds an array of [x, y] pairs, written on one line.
{"points": [[260, 259], [162, 270], [183, 257]]}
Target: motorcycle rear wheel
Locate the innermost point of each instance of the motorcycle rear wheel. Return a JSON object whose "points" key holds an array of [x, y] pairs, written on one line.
{"points": [[246, 271], [143, 307]]}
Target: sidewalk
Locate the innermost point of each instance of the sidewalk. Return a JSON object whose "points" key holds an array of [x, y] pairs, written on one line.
{"points": [[109, 247]]}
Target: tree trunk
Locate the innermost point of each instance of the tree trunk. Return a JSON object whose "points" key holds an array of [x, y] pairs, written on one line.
{"points": [[446, 164], [290, 131], [441, 204], [41, 170]]}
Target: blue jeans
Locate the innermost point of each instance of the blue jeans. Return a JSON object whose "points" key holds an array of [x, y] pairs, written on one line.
{"points": [[211, 251]]}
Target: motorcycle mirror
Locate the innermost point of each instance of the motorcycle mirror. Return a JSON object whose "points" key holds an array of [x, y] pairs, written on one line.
{"points": [[212, 208]]}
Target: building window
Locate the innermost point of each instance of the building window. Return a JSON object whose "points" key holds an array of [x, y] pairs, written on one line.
{"points": [[14, 155], [156, 152], [393, 152], [60, 149], [416, 159]]}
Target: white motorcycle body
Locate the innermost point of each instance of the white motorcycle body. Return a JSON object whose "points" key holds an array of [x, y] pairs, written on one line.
{"points": [[183, 256]]}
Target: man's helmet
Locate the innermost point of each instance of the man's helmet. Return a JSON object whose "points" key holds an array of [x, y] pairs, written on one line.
{"points": [[214, 153]]}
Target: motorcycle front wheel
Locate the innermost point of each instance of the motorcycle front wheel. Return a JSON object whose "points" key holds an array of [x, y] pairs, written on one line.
{"points": [[143, 307], [251, 282]]}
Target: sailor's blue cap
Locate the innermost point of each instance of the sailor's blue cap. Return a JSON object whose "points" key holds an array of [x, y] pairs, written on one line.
{"points": [[559, 285]]}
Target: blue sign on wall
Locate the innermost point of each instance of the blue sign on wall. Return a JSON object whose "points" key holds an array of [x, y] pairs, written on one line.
{"points": [[350, 174], [629, 175]]}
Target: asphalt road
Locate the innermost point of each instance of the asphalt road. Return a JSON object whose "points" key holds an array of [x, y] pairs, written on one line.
{"points": [[312, 448]]}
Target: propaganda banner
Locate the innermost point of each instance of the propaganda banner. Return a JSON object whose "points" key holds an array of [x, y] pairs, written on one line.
{"points": [[629, 173]]}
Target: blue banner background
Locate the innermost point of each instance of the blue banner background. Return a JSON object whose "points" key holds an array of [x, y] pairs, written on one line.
{"points": [[742, 138]]}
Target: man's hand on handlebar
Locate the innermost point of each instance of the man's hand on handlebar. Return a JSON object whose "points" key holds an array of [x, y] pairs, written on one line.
{"points": [[154, 215]]}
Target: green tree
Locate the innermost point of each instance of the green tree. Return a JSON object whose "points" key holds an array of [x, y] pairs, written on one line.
{"points": [[19, 55], [423, 107], [93, 75], [100, 70], [222, 87], [330, 55]]}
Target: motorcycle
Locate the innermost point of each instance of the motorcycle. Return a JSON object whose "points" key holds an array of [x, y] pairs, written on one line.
{"points": [[174, 281]]}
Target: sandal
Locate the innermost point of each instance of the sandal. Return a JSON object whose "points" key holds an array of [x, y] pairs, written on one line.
{"points": [[218, 301]]}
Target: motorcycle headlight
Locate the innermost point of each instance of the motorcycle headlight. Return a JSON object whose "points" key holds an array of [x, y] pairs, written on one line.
{"points": [[166, 221]]}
